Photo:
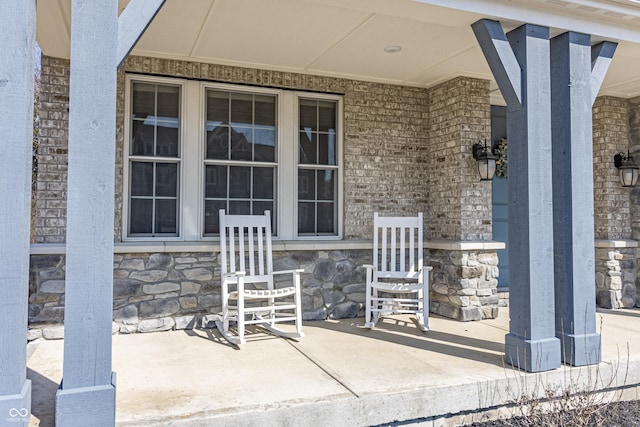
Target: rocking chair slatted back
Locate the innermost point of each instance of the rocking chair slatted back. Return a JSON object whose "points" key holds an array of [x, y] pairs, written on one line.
{"points": [[247, 239], [393, 261]]}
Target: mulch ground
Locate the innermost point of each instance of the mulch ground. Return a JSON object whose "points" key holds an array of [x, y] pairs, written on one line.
{"points": [[617, 414]]}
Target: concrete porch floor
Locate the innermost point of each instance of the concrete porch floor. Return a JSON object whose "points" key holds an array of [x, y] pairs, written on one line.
{"points": [[340, 374]]}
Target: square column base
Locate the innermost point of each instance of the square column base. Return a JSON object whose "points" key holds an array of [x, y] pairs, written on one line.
{"points": [[532, 355], [15, 409], [580, 350], [87, 406]]}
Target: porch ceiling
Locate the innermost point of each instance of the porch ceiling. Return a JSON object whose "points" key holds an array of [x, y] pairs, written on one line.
{"points": [[346, 38]]}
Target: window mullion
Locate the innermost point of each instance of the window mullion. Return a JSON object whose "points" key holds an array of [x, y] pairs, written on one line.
{"points": [[153, 200], [286, 166], [189, 184], [155, 121], [315, 205]]}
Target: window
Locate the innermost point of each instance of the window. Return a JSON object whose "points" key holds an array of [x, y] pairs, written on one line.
{"points": [[154, 160], [317, 168], [240, 155], [194, 148]]}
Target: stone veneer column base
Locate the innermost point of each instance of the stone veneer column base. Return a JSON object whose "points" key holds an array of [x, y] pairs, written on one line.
{"points": [[464, 285], [532, 355], [15, 409], [87, 406], [616, 273]]}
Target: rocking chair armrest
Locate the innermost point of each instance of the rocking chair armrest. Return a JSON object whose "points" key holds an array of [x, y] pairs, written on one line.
{"points": [[235, 274], [369, 266], [296, 271], [426, 267]]}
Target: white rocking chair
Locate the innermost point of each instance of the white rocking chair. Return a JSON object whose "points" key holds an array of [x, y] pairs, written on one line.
{"points": [[397, 271], [247, 265]]}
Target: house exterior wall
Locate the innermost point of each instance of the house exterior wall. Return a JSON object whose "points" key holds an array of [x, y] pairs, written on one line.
{"points": [[614, 124], [385, 142], [406, 150], [634, 148], [464, 284], [610, 136], [460, 204], [162, 291], [634, 193], [51, 184]]}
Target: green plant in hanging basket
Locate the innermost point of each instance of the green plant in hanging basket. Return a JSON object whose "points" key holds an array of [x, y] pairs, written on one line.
{"points": [[502, 162]]}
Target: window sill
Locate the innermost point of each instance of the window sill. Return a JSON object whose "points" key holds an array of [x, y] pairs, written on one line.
{"points": [[211, 246], [278, 245], [620, 243]]}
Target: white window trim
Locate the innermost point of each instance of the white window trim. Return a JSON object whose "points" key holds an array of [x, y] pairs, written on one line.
{"points": [[191, 185], [279, 94], [339, 162], [126, 187]]}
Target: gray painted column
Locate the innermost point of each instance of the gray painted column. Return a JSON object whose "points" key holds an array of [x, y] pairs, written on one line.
{"points": [[520, 63], [133, 22], [87, 393], [100, 41], [573, 90], [18, 23]]}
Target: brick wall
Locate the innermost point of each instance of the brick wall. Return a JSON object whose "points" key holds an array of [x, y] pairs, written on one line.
{"points": [[385, 140], [459, 203], [610, 136], [51, 184], [634, 147], [386, 154]]}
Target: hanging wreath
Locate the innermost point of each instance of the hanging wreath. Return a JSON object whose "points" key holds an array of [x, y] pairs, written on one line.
{"points": [[502, 162]]}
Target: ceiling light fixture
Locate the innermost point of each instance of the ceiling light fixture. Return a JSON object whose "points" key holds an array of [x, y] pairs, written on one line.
{"points": [[392, 48]]}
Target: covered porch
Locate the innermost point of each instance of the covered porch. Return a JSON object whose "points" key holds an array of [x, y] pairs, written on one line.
{"points": [[340, 373], [410, 92]]}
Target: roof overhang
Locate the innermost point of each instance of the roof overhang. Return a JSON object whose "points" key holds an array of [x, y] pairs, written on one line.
{"points": [[346, 38]]}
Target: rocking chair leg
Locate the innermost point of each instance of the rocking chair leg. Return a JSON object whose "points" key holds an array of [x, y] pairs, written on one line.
{"points": [[367, 316], [424, 305], [225, 317], [376, 317], [241, 314], [421, 323], [298, 301]]}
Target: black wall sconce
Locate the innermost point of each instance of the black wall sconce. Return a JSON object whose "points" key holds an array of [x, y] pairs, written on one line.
{"points": [[628, 169], [486, 161]]}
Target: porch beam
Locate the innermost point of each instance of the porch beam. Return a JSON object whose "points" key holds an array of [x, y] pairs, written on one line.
{"points": [[87, 393], [531, 343], [18, 21], [501, 60], [573, 85], [133, 22], [601, 57], [561, 17]]}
